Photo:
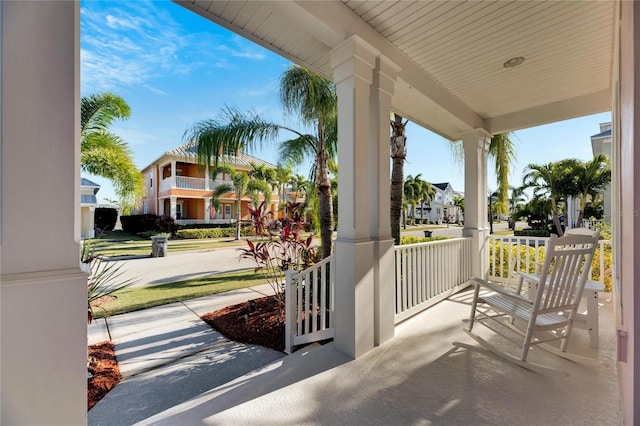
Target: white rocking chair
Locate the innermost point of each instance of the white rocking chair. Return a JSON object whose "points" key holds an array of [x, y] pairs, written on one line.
{"points": [[552, 308]]}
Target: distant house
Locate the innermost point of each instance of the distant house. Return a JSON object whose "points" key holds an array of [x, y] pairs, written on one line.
{"points": [[88, 204], [441, 209], [601, 144], [177, 186]]}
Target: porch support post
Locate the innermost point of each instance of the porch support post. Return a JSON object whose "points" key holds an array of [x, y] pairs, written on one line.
{"points": [[43, 303], [173, 209], [91, 232], [476, 148], [384, 77], [173, 173], [353, 62], [207, 210]]}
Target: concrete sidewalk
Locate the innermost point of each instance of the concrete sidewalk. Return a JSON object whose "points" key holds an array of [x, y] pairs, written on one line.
{"points": [[168, 355]]}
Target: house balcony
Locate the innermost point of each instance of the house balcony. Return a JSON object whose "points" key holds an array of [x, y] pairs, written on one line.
{"points": [[187, 182]]}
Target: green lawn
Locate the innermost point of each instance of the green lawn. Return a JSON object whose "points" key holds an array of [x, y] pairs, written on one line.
{"points": [[123, 244], [134, 299]]}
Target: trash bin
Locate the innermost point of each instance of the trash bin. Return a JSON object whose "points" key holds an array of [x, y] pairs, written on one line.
{"points": [[159, 246], [427, 233]]}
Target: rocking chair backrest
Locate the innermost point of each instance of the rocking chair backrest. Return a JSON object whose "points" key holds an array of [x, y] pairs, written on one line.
{"points": [[565, 271]]}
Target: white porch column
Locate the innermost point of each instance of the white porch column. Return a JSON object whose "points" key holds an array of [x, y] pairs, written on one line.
{"points": [[207, 209], [476, 148], [173, 209], [92, 222], [173, 173], [384, 76], [43, 303], [353, 62]]}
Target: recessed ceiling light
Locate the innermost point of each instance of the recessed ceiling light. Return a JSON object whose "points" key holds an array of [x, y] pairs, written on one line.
{"points": [[513, 62]]}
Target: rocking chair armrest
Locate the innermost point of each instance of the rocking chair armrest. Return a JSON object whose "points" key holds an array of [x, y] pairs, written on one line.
{"points": [[498, 289]]}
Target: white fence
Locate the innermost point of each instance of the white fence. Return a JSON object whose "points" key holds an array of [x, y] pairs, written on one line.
{"points": [[526, 254], [427, 273], [309, 304]]}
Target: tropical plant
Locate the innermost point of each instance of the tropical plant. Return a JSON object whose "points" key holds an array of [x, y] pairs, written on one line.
{"points": [[398, 147], [279, 247], [555, 180], [591, 179], [502, 151], [518, 196], [416, 191], [241, 185], [313, 99], [106, 154], [459, 203], [105, 277]]}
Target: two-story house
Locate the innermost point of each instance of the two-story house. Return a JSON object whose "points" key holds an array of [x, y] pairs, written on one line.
{"points": [[179, 187], [442, 208], [601, 144]]}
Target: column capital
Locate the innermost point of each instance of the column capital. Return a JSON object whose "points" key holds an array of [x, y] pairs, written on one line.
{"points": [[385, 74], [353, 57], [480, 136]]}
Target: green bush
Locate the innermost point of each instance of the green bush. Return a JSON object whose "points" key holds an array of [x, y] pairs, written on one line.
{"points": [[148, 234], [506, 251], [202, 233], [415, 240], [529, 232]]}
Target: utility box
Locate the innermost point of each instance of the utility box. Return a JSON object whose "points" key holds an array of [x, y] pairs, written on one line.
{"points": [[159, 246], [428, 233]]}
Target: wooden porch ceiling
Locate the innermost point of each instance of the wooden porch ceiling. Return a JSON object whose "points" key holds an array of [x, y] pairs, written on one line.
{"points": [[451, 53]]}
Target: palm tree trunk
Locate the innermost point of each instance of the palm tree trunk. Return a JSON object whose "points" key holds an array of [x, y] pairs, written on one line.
{"points": [[325, 205], [556, 217], [398, 154], [238, 219]]}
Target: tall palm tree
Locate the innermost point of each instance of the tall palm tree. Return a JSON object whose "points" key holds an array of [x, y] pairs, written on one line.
{"points": [[104, 153], [283, 177], [305, 94], [518, 196], [410, 198], [592, 177], [459, 203], [426, 192], [241, 185], [554, 180], [398, 146]]}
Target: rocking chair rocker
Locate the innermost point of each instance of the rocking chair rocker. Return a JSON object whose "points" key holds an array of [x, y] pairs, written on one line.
{"points": [[553, 307]]}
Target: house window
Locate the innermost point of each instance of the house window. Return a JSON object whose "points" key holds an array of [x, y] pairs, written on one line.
{"points": [[145, 208], [227, 211]]}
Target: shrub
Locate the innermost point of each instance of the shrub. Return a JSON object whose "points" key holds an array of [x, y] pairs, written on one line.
{"points": [[203, 233], [529, 232], [166, 224], [105, 218], [415, 240], [135, 224]]}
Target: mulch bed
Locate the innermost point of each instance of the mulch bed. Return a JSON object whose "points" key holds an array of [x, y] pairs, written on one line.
{"points": [[259, 321], [104, 369]]}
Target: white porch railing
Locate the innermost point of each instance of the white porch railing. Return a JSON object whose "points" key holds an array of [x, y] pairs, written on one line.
{"points": [[526, 254], [427, 273], [309, 304]]}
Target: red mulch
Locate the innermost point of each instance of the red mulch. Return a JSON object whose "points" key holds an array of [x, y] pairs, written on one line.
{"points": [[105, 372], [258, 322]]}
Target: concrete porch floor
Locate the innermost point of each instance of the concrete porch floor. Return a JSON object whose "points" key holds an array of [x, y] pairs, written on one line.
{"points": [[431, 373]]}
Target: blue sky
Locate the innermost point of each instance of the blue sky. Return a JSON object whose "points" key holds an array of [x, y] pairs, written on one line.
{"points": [[175, 68]]}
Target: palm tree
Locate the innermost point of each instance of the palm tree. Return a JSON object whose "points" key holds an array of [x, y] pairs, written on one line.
{"points": [[283, 177], [104, 153], [459, 203], [553, 179], [426, 192], [592, 177], [502, 151], [398, 145], [410, 198], [241, 185], [304, 93]]}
